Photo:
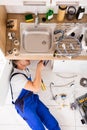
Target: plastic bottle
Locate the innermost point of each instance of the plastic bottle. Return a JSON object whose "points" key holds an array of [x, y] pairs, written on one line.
{"points": [[80, 12], [49, 14], [61, 12]]}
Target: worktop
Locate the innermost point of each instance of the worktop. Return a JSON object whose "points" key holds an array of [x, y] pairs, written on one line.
{"points": [[35, 56]]}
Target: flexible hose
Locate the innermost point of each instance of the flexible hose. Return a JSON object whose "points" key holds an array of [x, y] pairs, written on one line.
{"points": [[67, 76]]}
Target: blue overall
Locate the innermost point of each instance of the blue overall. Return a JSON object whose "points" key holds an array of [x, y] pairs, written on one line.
{"points": [[35, 113]]}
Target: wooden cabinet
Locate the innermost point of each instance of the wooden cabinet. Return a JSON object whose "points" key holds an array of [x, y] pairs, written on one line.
{"points": [[3, 18], [70, 2], [5, 44], [36, 56]]}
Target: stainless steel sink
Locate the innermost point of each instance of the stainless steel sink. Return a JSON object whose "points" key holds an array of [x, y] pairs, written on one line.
{"points": [[36, 39]]}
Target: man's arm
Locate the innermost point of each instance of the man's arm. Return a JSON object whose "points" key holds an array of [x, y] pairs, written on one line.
{"points": [[36, 84]]}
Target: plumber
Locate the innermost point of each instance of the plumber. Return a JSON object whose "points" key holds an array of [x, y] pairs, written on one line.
{"points": [[26, 101]]}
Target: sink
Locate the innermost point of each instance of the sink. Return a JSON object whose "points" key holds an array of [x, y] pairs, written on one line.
{"points": [[36, 39]]}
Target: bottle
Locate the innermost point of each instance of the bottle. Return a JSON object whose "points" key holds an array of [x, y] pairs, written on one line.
{"points": [[71, 12], [80, 12], [49, 14], [61, 13]]}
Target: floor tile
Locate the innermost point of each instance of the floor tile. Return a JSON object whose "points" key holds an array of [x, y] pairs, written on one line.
{"points": [[68, 119], [14, 127], [64, 116], [8, 115], [81, 128], [67, 128]]}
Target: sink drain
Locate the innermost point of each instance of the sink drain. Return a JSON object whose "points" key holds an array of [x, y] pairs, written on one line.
{"points": [[44, 42]]}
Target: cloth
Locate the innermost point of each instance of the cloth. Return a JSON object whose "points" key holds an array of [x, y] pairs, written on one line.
{"points": [[36, 114]]}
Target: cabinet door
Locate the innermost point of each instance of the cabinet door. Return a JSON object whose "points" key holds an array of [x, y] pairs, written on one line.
{"points": [[25, 2], [11, 2], [36, 2], [69, 66], [65, 2]]}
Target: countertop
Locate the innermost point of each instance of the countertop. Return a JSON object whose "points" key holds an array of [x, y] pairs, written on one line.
{"points": [[36, 56]]}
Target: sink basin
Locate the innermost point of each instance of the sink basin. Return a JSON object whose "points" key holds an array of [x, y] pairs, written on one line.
{"points": [[36, 39]]}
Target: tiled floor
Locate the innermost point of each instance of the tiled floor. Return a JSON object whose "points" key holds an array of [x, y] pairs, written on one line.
{"points": [[67, 118]]}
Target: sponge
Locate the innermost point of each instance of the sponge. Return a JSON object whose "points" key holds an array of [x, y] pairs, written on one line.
{"points": [[29, 18]]}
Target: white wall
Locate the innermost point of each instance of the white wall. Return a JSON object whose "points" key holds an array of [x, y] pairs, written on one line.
{"points": [[4, 81]]}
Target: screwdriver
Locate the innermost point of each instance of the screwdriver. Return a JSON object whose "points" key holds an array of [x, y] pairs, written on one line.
{"points": [[45, 62]]}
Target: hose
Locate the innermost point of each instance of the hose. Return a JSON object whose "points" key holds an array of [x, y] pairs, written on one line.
{"points": [[67, 76]]}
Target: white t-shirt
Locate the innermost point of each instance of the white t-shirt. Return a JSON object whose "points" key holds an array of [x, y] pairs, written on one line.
{"points": [[18, 81]]}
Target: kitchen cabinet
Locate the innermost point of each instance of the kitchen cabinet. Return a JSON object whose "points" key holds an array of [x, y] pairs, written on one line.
{"points": [[25, 2], [38, 56], [5, 43], [65, 2], [69, 66], [43, 2]]}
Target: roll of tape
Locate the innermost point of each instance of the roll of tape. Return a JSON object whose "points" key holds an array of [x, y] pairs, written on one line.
{"points": [[83, 82], [16, 42], [15, 51]]}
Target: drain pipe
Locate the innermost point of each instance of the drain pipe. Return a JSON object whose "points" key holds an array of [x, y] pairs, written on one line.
{"points": [[54, 97]]}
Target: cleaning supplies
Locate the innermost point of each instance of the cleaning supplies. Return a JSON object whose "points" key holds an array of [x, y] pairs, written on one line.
{"points": [[29, 18], [49, 14]]}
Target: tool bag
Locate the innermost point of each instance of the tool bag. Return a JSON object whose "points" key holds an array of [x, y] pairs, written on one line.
{"points": [[82, 104]]}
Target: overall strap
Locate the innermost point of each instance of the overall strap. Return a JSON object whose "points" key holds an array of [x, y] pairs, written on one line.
{"points": [[11, 85]]}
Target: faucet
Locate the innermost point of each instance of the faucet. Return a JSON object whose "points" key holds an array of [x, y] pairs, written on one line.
{"points": [[36, 19]]}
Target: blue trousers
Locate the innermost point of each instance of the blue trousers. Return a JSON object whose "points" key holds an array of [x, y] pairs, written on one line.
{"points": [[36, 114]]}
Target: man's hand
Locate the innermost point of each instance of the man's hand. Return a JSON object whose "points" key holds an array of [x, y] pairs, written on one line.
{"points": [[40, 65]]}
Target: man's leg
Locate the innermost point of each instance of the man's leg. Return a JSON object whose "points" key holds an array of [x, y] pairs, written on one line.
{"points": [[47, 118], [33, 120], [30, 116]]}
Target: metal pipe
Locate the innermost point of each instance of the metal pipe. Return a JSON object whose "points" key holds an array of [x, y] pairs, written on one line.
{"points": [[54, 97]]}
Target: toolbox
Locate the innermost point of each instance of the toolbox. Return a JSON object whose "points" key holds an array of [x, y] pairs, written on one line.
{"points": [[81, 103]]}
